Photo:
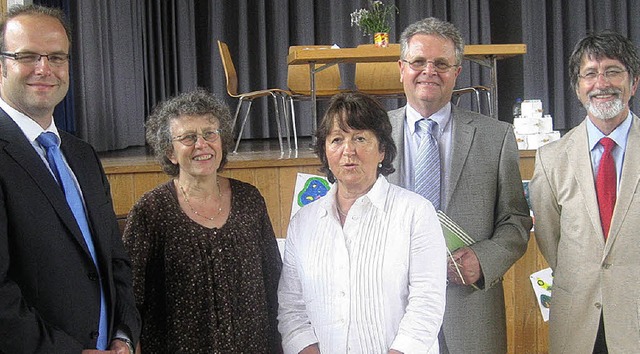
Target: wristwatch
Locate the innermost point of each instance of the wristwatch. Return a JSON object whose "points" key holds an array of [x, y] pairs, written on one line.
{"points": [[128, 342]]}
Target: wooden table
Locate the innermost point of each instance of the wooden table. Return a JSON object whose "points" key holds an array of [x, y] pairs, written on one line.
{"points": [[484, 54]]}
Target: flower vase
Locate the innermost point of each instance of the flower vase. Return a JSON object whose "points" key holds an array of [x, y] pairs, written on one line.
{"points": [[381, 39]]}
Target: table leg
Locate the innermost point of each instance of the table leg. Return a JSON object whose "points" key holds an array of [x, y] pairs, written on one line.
{"points": [[494, 88], [314, 107]]}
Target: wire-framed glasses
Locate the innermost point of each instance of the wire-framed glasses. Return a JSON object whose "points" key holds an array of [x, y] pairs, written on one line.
{"points": [[190, 139], [439, 66], [611, 75], [28, 58]]}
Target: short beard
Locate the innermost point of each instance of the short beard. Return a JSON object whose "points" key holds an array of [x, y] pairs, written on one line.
{"points": [[605, 110]]}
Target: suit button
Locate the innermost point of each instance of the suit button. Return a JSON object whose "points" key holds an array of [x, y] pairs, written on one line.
{"points": [[606, 265], [92, 276], [598, 305], [94, 334]]}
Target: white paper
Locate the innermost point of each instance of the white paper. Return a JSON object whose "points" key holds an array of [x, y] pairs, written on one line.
{"points": [[308, 189], [281, 242], [542, 282]]}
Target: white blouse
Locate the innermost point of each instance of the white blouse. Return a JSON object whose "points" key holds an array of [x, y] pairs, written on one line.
{"points": [[378, 283]]}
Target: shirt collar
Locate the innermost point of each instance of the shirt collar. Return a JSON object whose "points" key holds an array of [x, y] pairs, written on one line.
{"points": [[29, 127], [442, 117], [619, 135], [376, 195]]}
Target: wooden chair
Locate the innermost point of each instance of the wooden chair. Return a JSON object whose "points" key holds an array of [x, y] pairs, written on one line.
{"points": [[279, 97], [381, 80]]}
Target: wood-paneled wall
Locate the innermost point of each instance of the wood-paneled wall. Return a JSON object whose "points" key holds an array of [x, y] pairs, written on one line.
{"points": [[527, 333], [275, 178]]}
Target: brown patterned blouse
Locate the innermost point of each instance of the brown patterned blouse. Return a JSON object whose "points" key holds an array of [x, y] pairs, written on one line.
{"points": [[202, 290]]}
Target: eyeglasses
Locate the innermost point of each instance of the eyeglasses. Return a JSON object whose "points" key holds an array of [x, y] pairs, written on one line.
{"points": [[611, 75], [190, 139], [438, 66], [56, 59]]}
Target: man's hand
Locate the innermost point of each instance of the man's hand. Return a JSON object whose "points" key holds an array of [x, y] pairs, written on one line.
{"points": [[468, 265]]}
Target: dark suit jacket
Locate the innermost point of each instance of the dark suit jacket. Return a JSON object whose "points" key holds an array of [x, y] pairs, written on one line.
{"points": [[49, 289], [484, 195]]}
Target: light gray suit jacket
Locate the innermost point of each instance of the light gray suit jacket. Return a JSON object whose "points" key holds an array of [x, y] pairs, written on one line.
{"points": [[484, 195], [590, 275]]}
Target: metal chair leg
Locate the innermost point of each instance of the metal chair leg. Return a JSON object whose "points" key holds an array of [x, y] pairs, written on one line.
{"points": [[290, 122], [235, 117], [275, 102], [477, 100], [244, 121], [293, 123], [282, 101]]}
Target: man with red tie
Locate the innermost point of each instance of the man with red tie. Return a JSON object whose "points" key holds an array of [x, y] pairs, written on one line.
{"points": [[586, 199]]}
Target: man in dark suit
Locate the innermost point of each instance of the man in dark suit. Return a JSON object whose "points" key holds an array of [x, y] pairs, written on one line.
{"points": [[479, 184], [65, 280]]}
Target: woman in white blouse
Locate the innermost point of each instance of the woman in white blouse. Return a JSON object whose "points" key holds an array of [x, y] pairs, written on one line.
{"points": [[364, 266]]}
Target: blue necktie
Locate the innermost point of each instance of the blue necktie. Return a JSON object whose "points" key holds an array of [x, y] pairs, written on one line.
{"points": [[56, 162], [427, 171]]}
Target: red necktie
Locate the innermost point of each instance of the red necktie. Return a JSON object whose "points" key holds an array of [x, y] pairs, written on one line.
{"points": [[606, 185]]}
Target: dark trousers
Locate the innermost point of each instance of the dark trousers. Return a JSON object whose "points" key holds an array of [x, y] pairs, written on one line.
{"points": [[600, 347]]}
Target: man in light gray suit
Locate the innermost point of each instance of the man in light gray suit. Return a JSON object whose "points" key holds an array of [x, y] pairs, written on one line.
{"points": [[590, 238], [480, 185]]}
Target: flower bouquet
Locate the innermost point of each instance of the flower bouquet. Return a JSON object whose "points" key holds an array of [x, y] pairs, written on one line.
{"points": [[375, 19]]}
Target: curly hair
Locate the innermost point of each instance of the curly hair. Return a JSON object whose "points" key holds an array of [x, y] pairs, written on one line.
{"points": [[436, 27], [361, 112], [195, 103]]}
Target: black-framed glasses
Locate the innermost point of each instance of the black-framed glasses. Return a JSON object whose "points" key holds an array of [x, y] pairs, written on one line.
{"points": [[28, 58], [190, 139], [612, 75], [438, 65]]}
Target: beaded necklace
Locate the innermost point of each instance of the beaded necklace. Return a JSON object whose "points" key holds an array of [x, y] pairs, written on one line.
{"points": [[194, 211]]}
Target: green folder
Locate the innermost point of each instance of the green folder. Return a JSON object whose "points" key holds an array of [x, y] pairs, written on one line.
{"points": [[454, 235]]}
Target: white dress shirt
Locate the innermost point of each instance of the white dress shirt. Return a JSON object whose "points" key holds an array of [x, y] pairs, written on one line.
{"points": [[378, 283]]}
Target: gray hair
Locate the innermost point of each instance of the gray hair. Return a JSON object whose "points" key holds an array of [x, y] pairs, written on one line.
{"points": [[436, 27], [606, 44], [195, 103]]}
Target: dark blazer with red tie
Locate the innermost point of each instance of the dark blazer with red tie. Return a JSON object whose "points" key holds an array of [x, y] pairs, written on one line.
{"points": [[49, 288]]}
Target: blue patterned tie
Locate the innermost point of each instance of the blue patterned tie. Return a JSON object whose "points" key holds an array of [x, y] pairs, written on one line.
{"points": [[56, 162], [427, 172]]}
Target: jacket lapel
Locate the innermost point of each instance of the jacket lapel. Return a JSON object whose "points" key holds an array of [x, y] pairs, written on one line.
{"points": [[20, 150], [398, 119], [579, 152], [628, 182], [462, 133]]}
